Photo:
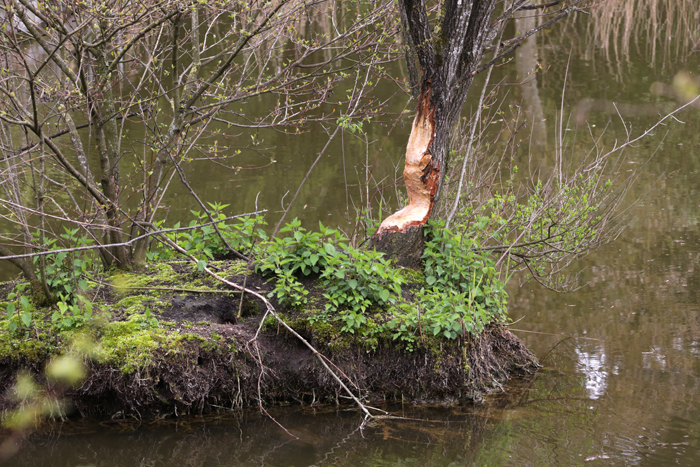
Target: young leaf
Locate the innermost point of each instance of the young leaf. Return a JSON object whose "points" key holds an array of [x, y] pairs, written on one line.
{"points": [[10, 310], [27, 319], [330, 249], [384, 295]]}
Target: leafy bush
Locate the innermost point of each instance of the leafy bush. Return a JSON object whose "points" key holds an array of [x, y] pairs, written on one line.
{"points": [[67, 273], [289, 290], [357, 279], [301, 251], [72, 315], [451, 263], [463, 291], [203, 242], [353, 279], [543, 226], [19, 312]]}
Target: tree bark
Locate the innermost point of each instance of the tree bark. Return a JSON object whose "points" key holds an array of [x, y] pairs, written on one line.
{"points": [[38, 293], [445, 57]]}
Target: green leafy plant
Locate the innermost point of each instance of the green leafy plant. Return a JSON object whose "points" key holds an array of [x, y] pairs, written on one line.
{"points": [[451, 262], [204, 243], [461, 295], [67, 273], [346, 123], [463, 292], [289, 290], [148, 320], [71, 314], [301, 251], [356, 280], [20, 317]]}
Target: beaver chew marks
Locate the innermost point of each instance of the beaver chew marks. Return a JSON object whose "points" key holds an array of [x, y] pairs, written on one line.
{"points": [[421, 175]]}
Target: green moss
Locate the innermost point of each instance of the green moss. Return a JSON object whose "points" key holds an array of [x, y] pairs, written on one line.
{"points": [[203, 343], [466, 367], [130, 345], [412, 276], [158, 273], [164, 274], [136, 304], [18, 346], [232, 268], [251, 307], [328, 334]]}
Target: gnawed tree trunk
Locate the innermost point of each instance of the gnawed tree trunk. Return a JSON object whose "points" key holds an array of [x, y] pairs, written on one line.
{"points": [[445, 64], [443, 59], [401, 234]]}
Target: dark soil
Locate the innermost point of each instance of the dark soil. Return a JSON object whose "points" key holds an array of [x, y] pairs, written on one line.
{"points": [[199, 379], [216, 309]]}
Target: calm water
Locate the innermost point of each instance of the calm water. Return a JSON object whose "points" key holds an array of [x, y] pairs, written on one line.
{"points": [[621, 377]]}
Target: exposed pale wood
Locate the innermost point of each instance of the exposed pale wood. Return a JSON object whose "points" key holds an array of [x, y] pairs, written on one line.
{"points": [[420, 174]]}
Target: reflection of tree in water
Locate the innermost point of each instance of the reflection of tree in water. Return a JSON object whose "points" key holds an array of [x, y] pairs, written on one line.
{"points": [[534, 423], [637, 40], [665, 31], [246, 438], [550, 424], [526, 62]]}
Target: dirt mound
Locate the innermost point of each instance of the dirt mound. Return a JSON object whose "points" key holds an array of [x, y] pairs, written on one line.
{"points": [[190, 353]]}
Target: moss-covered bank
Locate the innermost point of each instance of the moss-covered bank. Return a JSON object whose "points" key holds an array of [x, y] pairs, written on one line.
{"points": [[162, 344]]}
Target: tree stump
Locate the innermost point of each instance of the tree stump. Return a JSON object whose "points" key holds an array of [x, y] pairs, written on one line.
{"points": [[405, 247]]}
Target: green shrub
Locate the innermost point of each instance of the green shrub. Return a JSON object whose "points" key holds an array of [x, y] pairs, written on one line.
{"points": [[301, 251], [67, 273], [354, 279], [203, 242], [19, 312], [72, 315], [463, 292]]}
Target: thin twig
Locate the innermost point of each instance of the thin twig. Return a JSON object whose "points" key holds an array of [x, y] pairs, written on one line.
{"points": [[135, 239]]}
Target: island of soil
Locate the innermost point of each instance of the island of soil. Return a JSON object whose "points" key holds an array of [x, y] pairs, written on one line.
{"points": [[170, 340]]}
